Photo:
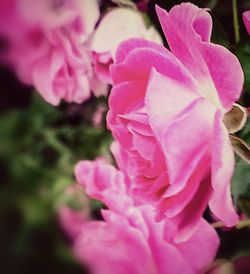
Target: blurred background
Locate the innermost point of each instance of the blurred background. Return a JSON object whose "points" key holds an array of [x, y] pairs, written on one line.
{"points": [[40, 145]]}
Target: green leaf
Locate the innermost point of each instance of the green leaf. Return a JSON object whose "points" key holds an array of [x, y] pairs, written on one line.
{"points": [[241, 186], [243, 53]]}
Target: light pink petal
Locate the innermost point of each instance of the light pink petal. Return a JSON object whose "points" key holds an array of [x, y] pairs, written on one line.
{"points": [[113, 247], [117, 26], [188, 29], [88, 12], [99, 178], [45, 14], [222, 170], [98, 87], [102, 63], [185, 142], [81, 91], [43, 76], [46, 46], [246, 20], [166, 97], [144, 145]]}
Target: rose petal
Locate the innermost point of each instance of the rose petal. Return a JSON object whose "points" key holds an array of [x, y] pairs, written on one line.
{"points": [[222, 170], [218, 71]]}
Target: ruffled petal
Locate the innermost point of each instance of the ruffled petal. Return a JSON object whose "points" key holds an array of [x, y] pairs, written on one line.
{"points": [[185, 142], [222, 170], [166, 97], [135, 43], [44, 74], [218, 72], [144, 59], [102, 182], [168, 258], [122, 24]]}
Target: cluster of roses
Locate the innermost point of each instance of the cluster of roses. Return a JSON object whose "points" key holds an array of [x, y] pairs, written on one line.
{"points": [[56, 46], [168, 113]]}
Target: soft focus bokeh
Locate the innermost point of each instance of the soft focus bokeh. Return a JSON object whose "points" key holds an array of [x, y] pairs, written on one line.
{"points": [[40, 145]]}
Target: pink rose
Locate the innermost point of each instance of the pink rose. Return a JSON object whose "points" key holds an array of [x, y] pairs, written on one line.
{"points": [[128, 240], [98, 116], [71, 221], [115, 27], [49, 45], [166, 114], [246, 20]]}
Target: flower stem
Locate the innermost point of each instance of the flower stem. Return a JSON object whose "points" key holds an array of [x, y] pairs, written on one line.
{"points": [[241, 224], [236, 22], [212, 4]]}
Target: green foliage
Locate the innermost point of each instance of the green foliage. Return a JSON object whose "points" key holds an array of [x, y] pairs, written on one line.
{"points": [[243, 54], [241, 186], [39, 147], [241, 178]]}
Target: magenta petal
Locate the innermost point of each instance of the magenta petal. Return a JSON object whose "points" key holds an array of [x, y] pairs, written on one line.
{"points": [[222, 170], [201, 247], [226, 73], [167, 258], [185, 43], [189, 218], [218, 71], [173, 205], [135, 43], [246, 20], [144, 59], [115, 245], [119, 107], [129, 240]]}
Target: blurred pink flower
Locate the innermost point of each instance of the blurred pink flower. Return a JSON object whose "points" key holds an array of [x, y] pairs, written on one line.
{"points": [[166, 114], [129, 240], [115, 27], [143, 5], [72, 220], [49, 45], [246, 19], [98, 116]]}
